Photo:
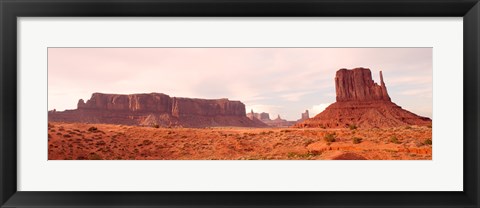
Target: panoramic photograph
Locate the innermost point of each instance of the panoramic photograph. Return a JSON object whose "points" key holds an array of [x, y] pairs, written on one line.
{"points": [[240, 103]]}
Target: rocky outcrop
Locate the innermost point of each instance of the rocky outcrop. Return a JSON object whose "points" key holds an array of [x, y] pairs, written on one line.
{"points": [[260, 116], [362, 103], [357, 85], [279, 122], [156, 109], [265, 118], [304, 116]]}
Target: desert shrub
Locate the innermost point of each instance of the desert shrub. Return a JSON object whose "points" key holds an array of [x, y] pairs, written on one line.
{"points": [[291, 154], [95, 156], [92, 129], [352, 126], [304, 155], [356, 140], [156, 126], [429, 126], [147, 142], [394, 140], [67, 135], [427, 142], [408, 127], [314, 153], [330, 137], [307, 142]]}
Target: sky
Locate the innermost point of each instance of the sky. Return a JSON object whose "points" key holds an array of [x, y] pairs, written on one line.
{"points": [[279, 81]]}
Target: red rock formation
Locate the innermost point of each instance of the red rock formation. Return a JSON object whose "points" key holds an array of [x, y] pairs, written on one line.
{"points": [[156, 109], [260, 116], [304, 117], [153, 102], [357, 85], [202, 107], [265, 118], [363, 103]]}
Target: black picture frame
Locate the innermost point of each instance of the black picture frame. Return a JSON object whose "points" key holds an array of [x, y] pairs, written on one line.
{"points": [[11, 9]]}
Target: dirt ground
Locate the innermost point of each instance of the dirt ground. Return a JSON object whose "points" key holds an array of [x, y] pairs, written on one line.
{"points": [[80, 141]]}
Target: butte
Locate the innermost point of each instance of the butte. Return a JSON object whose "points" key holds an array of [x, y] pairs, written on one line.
{"points": [[362, 103]]}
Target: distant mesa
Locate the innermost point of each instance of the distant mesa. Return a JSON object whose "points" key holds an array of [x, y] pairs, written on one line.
{"points": [[260, 116], [277, 122], [156, 109], [363, 103]]}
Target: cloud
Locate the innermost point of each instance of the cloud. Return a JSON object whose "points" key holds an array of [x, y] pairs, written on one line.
{"points": [[262, 108], [418, 92], [316, 109], [408, 80], [294, 96]]}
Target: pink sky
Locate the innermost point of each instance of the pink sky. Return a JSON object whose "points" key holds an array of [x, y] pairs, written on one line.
{"points": [[284, 81]]}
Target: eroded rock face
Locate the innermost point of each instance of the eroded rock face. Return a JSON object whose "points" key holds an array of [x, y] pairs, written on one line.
{"points": [[202, 107], [362, 103], [357, 85], [153, 102], [156, 109]]}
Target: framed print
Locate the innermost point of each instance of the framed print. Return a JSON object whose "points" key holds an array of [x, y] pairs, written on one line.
{"points": [[245, 104]]}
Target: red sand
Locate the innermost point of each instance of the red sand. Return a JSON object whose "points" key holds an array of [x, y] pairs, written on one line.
{"points": [[74, 141]]}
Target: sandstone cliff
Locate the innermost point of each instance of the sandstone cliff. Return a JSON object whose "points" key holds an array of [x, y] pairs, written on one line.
{"points": [[362, 103], [357, 85], [156, 109]]}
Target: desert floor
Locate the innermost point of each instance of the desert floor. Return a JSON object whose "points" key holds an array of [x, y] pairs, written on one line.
{"points": [[79, 141]]}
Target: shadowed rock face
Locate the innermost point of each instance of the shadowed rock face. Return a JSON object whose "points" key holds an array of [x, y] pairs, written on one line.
{"points": [[156, 109], [363, 103]]}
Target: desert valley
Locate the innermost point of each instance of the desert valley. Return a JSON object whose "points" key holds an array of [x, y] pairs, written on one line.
{"points": [[363, 124]]}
